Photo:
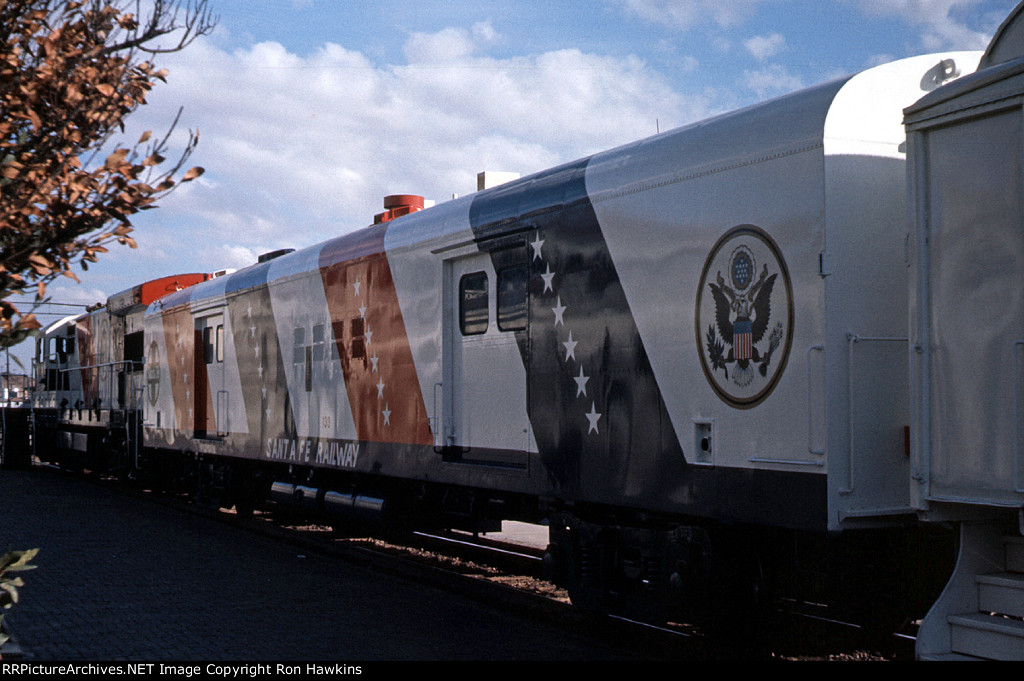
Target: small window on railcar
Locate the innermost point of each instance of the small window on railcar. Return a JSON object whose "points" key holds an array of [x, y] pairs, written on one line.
{"points": [[220, 342], [309, 369], [512, 298], [133, 350], [318, 342], [473, 304], [298, 353], [208, 345], [358, 345]]}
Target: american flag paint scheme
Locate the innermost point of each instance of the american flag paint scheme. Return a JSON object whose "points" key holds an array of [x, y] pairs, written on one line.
{"points": [[686, 355]]}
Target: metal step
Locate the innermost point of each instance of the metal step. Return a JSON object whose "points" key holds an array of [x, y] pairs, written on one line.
{"points": [[980, 613], [1001, 593], [950, 657], [987, 636]]}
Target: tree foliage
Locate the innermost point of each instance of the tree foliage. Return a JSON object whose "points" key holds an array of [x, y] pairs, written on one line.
{"points": [[70, 72], [12, 561]]}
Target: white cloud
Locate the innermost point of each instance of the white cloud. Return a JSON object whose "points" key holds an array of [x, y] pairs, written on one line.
{"points": [[943, 24], [771, 81], [300, 149], [763, 47], [684, 14]]}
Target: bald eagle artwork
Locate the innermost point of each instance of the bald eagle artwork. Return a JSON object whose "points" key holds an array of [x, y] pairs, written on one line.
{"points": [[742, 317]]}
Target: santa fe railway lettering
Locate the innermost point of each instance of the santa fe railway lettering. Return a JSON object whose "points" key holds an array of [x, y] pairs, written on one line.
{"points": [[323, 452]]}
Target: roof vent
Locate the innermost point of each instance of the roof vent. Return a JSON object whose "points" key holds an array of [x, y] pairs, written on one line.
{"points": [[492, 178], [274, 254], [398, 205]]}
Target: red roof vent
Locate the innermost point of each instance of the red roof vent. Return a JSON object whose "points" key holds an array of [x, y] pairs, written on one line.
{"points": [[398, 205]]}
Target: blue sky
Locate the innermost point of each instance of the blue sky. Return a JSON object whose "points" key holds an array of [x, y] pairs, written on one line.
{"points": [[311, 111]]}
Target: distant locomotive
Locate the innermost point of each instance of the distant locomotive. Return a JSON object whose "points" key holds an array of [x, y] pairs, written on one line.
{"points": [[716, 362]]}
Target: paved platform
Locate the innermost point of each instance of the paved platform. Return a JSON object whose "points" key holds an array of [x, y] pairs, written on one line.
{"points": [[121, 578]]}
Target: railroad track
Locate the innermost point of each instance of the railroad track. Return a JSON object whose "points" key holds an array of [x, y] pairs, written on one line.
{"points": [[510, 575]]}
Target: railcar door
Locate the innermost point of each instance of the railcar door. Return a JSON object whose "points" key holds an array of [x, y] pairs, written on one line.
{"points": [[486, 345], [210, 398]]}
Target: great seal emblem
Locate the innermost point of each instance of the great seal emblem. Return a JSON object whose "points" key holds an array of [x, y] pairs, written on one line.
{"points": [[153, 373], [744, 316]]}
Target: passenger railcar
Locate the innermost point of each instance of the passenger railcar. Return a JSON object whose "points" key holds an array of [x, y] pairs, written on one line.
{"points": [[713, 361]]}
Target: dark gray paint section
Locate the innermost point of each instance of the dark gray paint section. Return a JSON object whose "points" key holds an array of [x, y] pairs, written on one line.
{"points": [[631, 456]]}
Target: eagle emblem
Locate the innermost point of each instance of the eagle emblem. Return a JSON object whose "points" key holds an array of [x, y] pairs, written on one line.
{"points": [[744, 316], [153, 373]]}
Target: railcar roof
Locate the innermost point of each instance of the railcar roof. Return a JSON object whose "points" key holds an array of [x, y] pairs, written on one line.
{"points": [[846, 108]]}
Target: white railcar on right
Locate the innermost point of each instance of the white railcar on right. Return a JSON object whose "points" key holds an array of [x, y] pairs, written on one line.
{"points": [[966, 258]]}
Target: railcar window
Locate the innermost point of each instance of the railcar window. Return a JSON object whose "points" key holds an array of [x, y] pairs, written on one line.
{"points": [[220, 342], [208, 348], [133, 350], [473, 312], [512, 298], [298, 353], [318, 342], [309, 369], [358, 347]]}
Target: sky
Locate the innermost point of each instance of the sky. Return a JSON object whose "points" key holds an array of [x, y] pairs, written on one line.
{"points": [[311, 111]]}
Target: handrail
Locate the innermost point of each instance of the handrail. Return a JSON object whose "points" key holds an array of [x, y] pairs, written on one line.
{"points": [[1018, 479], [810, 403], [110, 385], [438, 443], [221, 415]]}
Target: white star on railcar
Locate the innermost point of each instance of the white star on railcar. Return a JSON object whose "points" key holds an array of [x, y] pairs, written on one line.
{"points": [[570, 348], [387, 414], [548, 278], [592, 417], [536, 245], [380, 389], [559, 311], [581, 383]]}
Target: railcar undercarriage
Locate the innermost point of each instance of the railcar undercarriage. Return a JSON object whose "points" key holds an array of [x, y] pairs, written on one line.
{"points": [[739, 575], [610, 560]]}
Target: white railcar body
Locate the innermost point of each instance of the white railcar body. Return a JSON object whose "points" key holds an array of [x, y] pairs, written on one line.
{"points": [[622, 381], [967, 333]]}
